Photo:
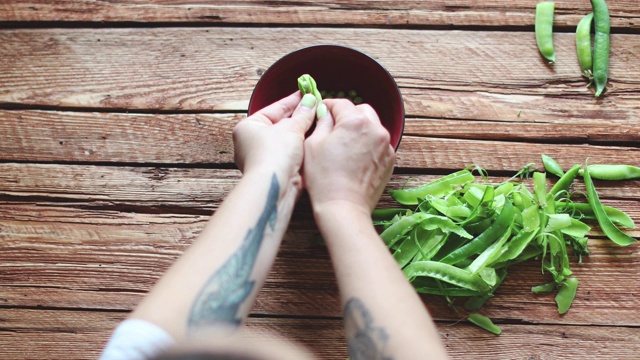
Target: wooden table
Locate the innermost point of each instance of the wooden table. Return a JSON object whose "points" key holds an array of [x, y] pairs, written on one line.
{"points": [[115, 120]]}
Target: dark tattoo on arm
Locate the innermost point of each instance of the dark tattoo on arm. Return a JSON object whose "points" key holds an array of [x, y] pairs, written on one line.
{"points": [[364, 340], [227, 289]]}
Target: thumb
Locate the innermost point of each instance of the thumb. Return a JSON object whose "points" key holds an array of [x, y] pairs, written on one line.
{"points": [[303, 116]]}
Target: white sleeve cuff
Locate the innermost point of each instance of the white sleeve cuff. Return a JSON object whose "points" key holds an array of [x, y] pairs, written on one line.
{"points": [[136, 339]]}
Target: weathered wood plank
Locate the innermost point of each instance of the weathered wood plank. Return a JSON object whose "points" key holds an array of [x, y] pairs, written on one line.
{"points": [[162, 190], [439, 153], [624, 13], [217, 68], [414, 152], [29, 334], [62, 257], [118, 185], [54, 136]]}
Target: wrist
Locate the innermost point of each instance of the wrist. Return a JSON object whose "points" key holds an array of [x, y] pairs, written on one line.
{"points": [[338, 220], [340, 211]]}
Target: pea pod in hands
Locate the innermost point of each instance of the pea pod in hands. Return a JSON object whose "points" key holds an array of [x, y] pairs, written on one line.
{"points": [[307, 85]]}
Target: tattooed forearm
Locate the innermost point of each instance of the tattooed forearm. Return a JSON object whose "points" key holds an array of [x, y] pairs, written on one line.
{"points": [[364, 340], [227, 289]]}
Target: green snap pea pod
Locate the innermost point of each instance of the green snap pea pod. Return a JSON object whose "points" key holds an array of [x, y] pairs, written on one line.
{"points": [[529, 252], [540, 188], [476, 302], [432, 246], [447, 273], [451, 207], [445, 224], [613, 172], [307, 85], [544, 29], [566, 294], [408, 249], [601, 45], [490, 254], [544, 288], [481, 242], [557, 222], [400, 228], [476, 213], [531, 218], [552, 166], [564, 183], [583, 46], [484, 322], [437, 188], [448, 292], [516, 246], [576, 229], [609, 229], [584, 210], [380, 215], [426, 236]]}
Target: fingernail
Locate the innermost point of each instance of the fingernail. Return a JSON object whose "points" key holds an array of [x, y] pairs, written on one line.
{"points": [[309, 100], [321, 111]]}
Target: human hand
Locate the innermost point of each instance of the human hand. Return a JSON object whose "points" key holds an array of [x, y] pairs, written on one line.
{"points": [[272, 138], [348, 162]]}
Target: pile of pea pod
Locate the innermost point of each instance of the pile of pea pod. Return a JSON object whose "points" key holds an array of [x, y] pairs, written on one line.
{"points": [[457, 236]]}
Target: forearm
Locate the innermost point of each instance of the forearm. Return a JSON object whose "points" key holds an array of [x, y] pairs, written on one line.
{"points": [[379, 303], [214, 282]]}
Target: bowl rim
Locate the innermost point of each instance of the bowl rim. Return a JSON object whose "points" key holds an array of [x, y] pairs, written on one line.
{"points": [[346, 47]]}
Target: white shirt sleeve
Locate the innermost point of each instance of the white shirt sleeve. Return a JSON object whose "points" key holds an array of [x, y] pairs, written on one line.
{"points": [[136, 339]]}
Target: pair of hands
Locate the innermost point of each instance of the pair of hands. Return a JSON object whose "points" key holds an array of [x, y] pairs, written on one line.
{"points": [[347, 160]]}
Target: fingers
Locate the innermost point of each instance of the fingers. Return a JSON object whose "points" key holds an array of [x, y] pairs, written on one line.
{"points": [[369, 112], [324, 125], [303, 116], [279, 110], [345, 110]]}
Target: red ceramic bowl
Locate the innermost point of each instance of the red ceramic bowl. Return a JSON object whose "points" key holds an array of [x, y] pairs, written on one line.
{"points": [[335, 68]]}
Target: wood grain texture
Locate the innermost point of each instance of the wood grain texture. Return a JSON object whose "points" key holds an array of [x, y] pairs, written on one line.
{"points": [[624, 13], [63, 136], [155, 69], [195, 190], [82, 335], [115, 149], [216, 149], [57, 256]]}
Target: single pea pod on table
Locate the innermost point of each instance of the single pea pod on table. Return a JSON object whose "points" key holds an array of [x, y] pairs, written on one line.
{"points": [[583, 46], [601, 45], [544, 29]]}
